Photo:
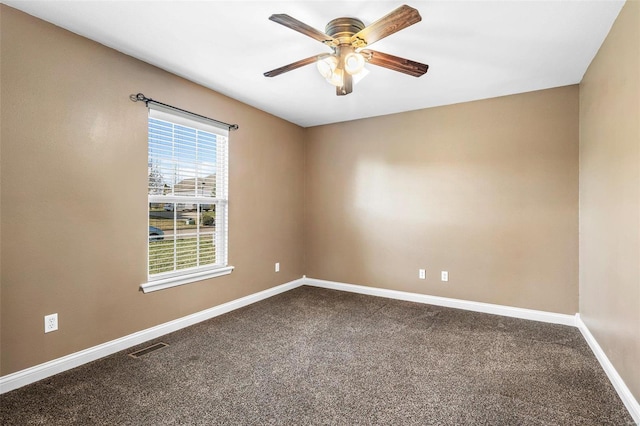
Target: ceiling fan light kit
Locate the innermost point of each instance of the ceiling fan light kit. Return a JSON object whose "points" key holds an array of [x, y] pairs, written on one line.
{"points": [[334, 67], [348, 38]]}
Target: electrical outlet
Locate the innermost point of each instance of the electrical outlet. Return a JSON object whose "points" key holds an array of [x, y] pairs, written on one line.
{"points": [[277, 266], [50, 323], [444, 276], [422, 274]]}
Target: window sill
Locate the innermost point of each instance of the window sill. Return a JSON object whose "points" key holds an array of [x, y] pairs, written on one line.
{"points": [[161, 284]]}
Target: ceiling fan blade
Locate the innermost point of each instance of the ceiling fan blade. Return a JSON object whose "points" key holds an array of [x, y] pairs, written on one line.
{"points": [[393, 22], [303, 28], [395, 63], [294, 65]]}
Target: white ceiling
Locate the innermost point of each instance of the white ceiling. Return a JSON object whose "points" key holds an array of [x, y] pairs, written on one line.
{"points": [[475, 49]]}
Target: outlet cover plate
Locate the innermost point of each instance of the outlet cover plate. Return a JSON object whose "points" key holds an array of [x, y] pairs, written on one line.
{"points": [[50, 323]]}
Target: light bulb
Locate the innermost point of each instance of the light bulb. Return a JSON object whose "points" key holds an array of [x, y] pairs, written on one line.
{"points": [[327, 65], [353, 63]]}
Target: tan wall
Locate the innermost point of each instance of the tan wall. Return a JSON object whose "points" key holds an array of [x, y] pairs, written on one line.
{"points": [[74, 216], [486, 190], [610, 196]]}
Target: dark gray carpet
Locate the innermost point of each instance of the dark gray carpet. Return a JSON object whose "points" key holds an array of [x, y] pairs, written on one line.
{"points": [[316, 356]]}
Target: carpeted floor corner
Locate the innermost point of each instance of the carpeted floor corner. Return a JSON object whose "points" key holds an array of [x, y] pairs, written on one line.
{"points": [[315, 356]]}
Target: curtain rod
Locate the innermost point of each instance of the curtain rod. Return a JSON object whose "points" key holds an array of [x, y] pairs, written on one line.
{"points": [[147, 101]]}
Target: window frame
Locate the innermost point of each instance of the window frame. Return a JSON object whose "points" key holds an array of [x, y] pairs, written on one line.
{"points": [[175, 277]]}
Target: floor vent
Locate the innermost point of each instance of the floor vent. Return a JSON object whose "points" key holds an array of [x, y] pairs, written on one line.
{"points": [[141, 352]]}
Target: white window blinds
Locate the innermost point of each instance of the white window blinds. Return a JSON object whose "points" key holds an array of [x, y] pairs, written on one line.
{"points": [[187, 194]]}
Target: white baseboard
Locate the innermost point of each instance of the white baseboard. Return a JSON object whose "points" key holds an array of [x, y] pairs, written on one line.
{"points": [[47, 369], [623, 391], [507, 311]]}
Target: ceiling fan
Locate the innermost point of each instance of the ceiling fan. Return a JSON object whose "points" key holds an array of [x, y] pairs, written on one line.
{"points": [[349, 38]]}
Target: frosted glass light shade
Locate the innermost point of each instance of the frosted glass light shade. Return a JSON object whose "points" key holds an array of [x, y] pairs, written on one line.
{"points": [[335, 78], [327, 65], [359, 76]]}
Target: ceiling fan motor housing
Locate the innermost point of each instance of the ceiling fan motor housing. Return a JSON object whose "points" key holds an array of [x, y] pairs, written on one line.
{"points": [[342, 29]]}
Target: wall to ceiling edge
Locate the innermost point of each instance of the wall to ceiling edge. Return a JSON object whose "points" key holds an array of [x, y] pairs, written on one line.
{"points": [[73, 201], [610, 196]]}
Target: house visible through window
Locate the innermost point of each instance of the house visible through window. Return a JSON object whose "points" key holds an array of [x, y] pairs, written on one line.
{"points": [[187, 191]]}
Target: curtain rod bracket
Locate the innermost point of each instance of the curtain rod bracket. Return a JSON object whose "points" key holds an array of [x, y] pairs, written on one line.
{"points": [[142, 98]]}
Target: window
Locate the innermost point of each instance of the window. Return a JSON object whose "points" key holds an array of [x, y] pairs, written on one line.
{"points": [[187, 191]]}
